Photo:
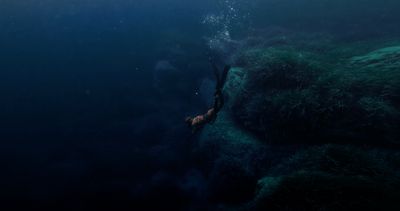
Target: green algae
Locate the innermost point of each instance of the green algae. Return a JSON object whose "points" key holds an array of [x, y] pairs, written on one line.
{"points": [[283, 100]]}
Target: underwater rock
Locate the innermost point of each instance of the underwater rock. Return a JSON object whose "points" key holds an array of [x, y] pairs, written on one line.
{"points": [[234, 84], [383, 58], [320, 191], [342, 160], [231, 182], [281, 100], [380, 71], [277, 95], [331, 178], [266, 187], [235, 158], [294, 96]]}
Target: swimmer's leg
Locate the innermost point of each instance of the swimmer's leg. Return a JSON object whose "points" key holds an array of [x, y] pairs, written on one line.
{"points": [[216, 73], [224, 75]]}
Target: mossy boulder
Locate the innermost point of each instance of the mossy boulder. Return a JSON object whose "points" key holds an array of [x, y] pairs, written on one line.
{"points": [[331, 178], [321, 191], [271, 145], [291, 96], [379, 72], [233, 158], [385, 58], [234, 85]]}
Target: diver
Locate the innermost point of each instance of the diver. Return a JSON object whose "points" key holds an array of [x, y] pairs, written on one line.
{"points": [[198, 122]]}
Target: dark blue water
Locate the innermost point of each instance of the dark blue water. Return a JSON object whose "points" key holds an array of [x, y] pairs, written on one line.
{"points": [[85, 124]]}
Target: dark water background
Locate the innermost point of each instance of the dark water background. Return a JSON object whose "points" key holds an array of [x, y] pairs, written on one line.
{"points": [[81, 122]]}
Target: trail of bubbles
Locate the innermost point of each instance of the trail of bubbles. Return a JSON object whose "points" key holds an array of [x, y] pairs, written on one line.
{"points": [[233, 16]]}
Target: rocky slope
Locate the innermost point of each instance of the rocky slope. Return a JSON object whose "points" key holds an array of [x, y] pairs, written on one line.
{"points": [[305, 130]]}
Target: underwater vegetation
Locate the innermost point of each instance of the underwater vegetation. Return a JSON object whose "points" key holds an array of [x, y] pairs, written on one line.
{"points": [[331, 178], [290, 96], [307, 127]]}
